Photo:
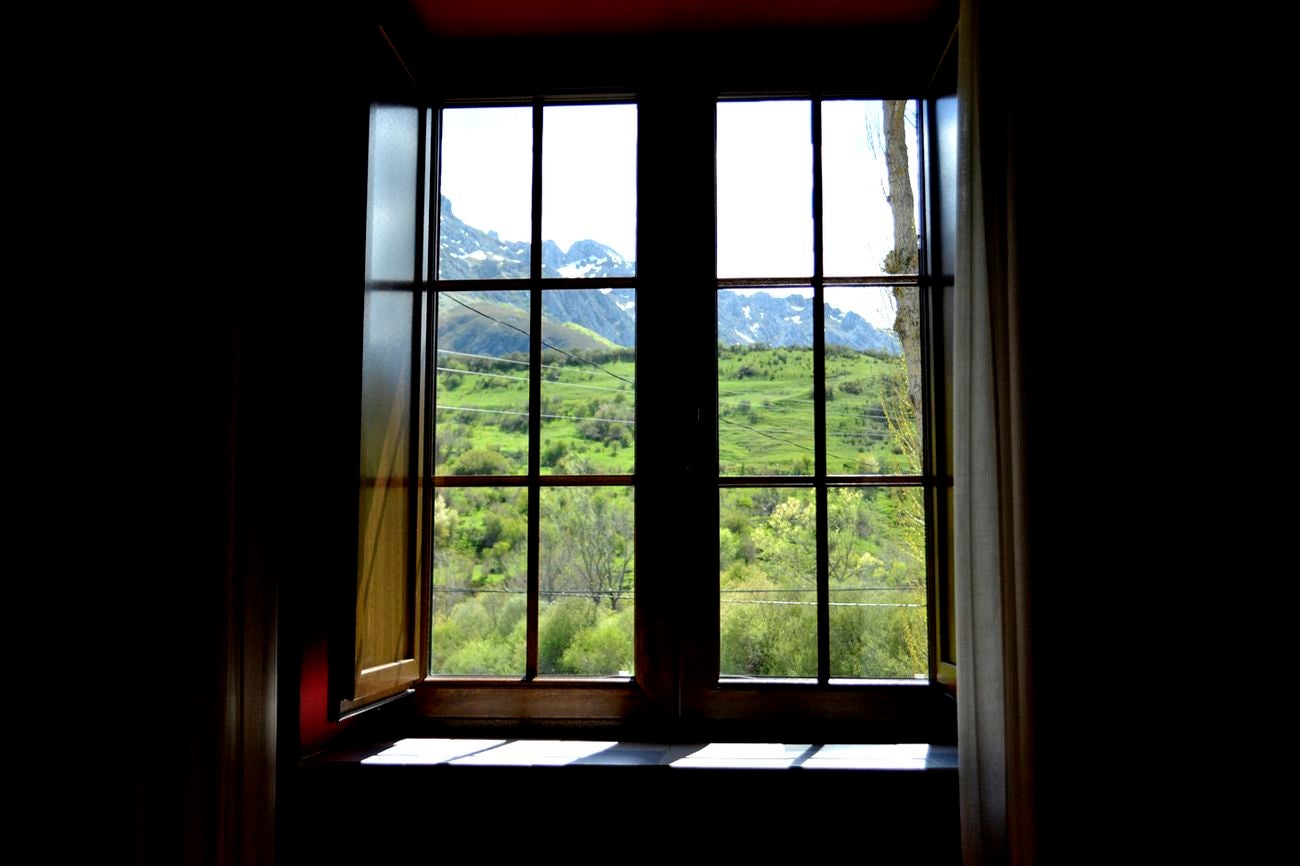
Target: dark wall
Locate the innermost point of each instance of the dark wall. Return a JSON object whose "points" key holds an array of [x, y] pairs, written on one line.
{"points": [[1082, 130], [1059, 175], [220, 369], [584, 814], [225, 424]]}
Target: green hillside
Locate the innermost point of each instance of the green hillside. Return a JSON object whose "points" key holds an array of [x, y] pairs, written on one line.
{"points": [[766, 535]]}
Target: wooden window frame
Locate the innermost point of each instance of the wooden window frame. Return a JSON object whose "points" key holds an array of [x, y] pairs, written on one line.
{"points": [[676, 689], [908, 709]]}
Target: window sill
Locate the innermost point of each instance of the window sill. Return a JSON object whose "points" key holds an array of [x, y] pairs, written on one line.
{"points": [[465, 752], [743, 801]]}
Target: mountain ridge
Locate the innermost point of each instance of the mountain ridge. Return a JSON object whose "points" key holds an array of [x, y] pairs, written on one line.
{"points": [[470, 253]]}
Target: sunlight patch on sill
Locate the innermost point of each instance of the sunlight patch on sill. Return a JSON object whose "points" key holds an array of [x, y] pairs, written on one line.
{"points": [[423, 750], [763, 756]]}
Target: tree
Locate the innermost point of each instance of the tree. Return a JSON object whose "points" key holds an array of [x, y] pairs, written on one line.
{"points": [[787, 542], [480, 461], [904, 257], [588, 531], [904, 413]]}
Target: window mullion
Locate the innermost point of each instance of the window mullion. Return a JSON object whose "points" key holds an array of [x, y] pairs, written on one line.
{"points": [[426, 328], [414, 552], [932, 432], [534, 401], [819, 408]]}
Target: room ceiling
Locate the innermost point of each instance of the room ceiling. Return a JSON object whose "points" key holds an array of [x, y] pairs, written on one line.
{"points": [[456, 18]]}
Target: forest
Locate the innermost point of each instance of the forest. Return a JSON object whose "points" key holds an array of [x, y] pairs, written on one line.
{"points": [[766, 535]]}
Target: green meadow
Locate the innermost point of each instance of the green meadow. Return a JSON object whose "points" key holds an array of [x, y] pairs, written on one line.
{"points": [[766, 565]]}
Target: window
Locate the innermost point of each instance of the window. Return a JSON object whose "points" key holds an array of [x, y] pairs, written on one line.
{"points": [[821, 481], [534, 430], [828, 489], [574, 405]]}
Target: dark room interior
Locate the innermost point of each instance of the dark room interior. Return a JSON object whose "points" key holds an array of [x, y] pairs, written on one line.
{"points": [[248, 384]]}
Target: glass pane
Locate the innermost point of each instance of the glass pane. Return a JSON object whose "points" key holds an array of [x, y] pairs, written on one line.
{"points": [[390, 192], [587, 577], [487, 181], [480, 580], [482, 384], [869, 183], [945, 113], [873, 388], [768, 563], [877, 582], [589, 382], [764, 170], [428, 199], [589, 191], [765, 384], [382, 614]]}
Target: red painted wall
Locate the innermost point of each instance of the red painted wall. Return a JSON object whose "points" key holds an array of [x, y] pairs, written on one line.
{"points": [[528, 17]]}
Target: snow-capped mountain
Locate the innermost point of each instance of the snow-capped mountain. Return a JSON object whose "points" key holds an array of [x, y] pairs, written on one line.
{"points": [[469, 253], [787, 321], [604, 316], [587, 259]]}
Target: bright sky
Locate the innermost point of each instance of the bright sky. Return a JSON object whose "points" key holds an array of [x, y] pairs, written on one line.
{"points": [[764, 184], [588, 172]]}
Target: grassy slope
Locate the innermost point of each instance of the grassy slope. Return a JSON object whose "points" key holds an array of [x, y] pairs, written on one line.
{"points": [[765, 407], [769, 391]]}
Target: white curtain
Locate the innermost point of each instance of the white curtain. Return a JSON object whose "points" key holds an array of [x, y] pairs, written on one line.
{"points": [[995, 735]]}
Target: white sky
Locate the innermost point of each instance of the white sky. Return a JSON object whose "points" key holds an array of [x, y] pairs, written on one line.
{"points": [[588, 172], [764, 184]]}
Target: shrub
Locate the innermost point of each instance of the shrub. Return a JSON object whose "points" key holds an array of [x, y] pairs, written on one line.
{"points": [[480, 461], [554, 452], [513, 423], [560, 624], [604, 649]]}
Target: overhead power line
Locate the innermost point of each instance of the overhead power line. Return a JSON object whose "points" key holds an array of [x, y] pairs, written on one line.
{"points": [[504, 360], [457, 300], [779, 439], [525, 414], [525, 379]]}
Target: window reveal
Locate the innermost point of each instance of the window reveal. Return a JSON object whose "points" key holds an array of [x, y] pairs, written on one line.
{"points": [[527, 449]]}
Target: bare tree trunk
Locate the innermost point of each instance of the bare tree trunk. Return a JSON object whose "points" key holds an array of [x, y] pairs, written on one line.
{"points": [[902, 259]]}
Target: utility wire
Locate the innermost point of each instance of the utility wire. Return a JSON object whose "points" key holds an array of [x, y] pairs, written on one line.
{"points": [[877, 435], [489, 375], [507, 361], [831, 589], [547, 382], [457, 300], [524, 379], [779, 439], [829, 603], [872, 412], [525, 414], [489, 358], [625, 595], [622, 594]]}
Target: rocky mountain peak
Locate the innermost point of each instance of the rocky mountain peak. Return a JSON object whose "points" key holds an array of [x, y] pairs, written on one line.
{"points": [[466, 252]]}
